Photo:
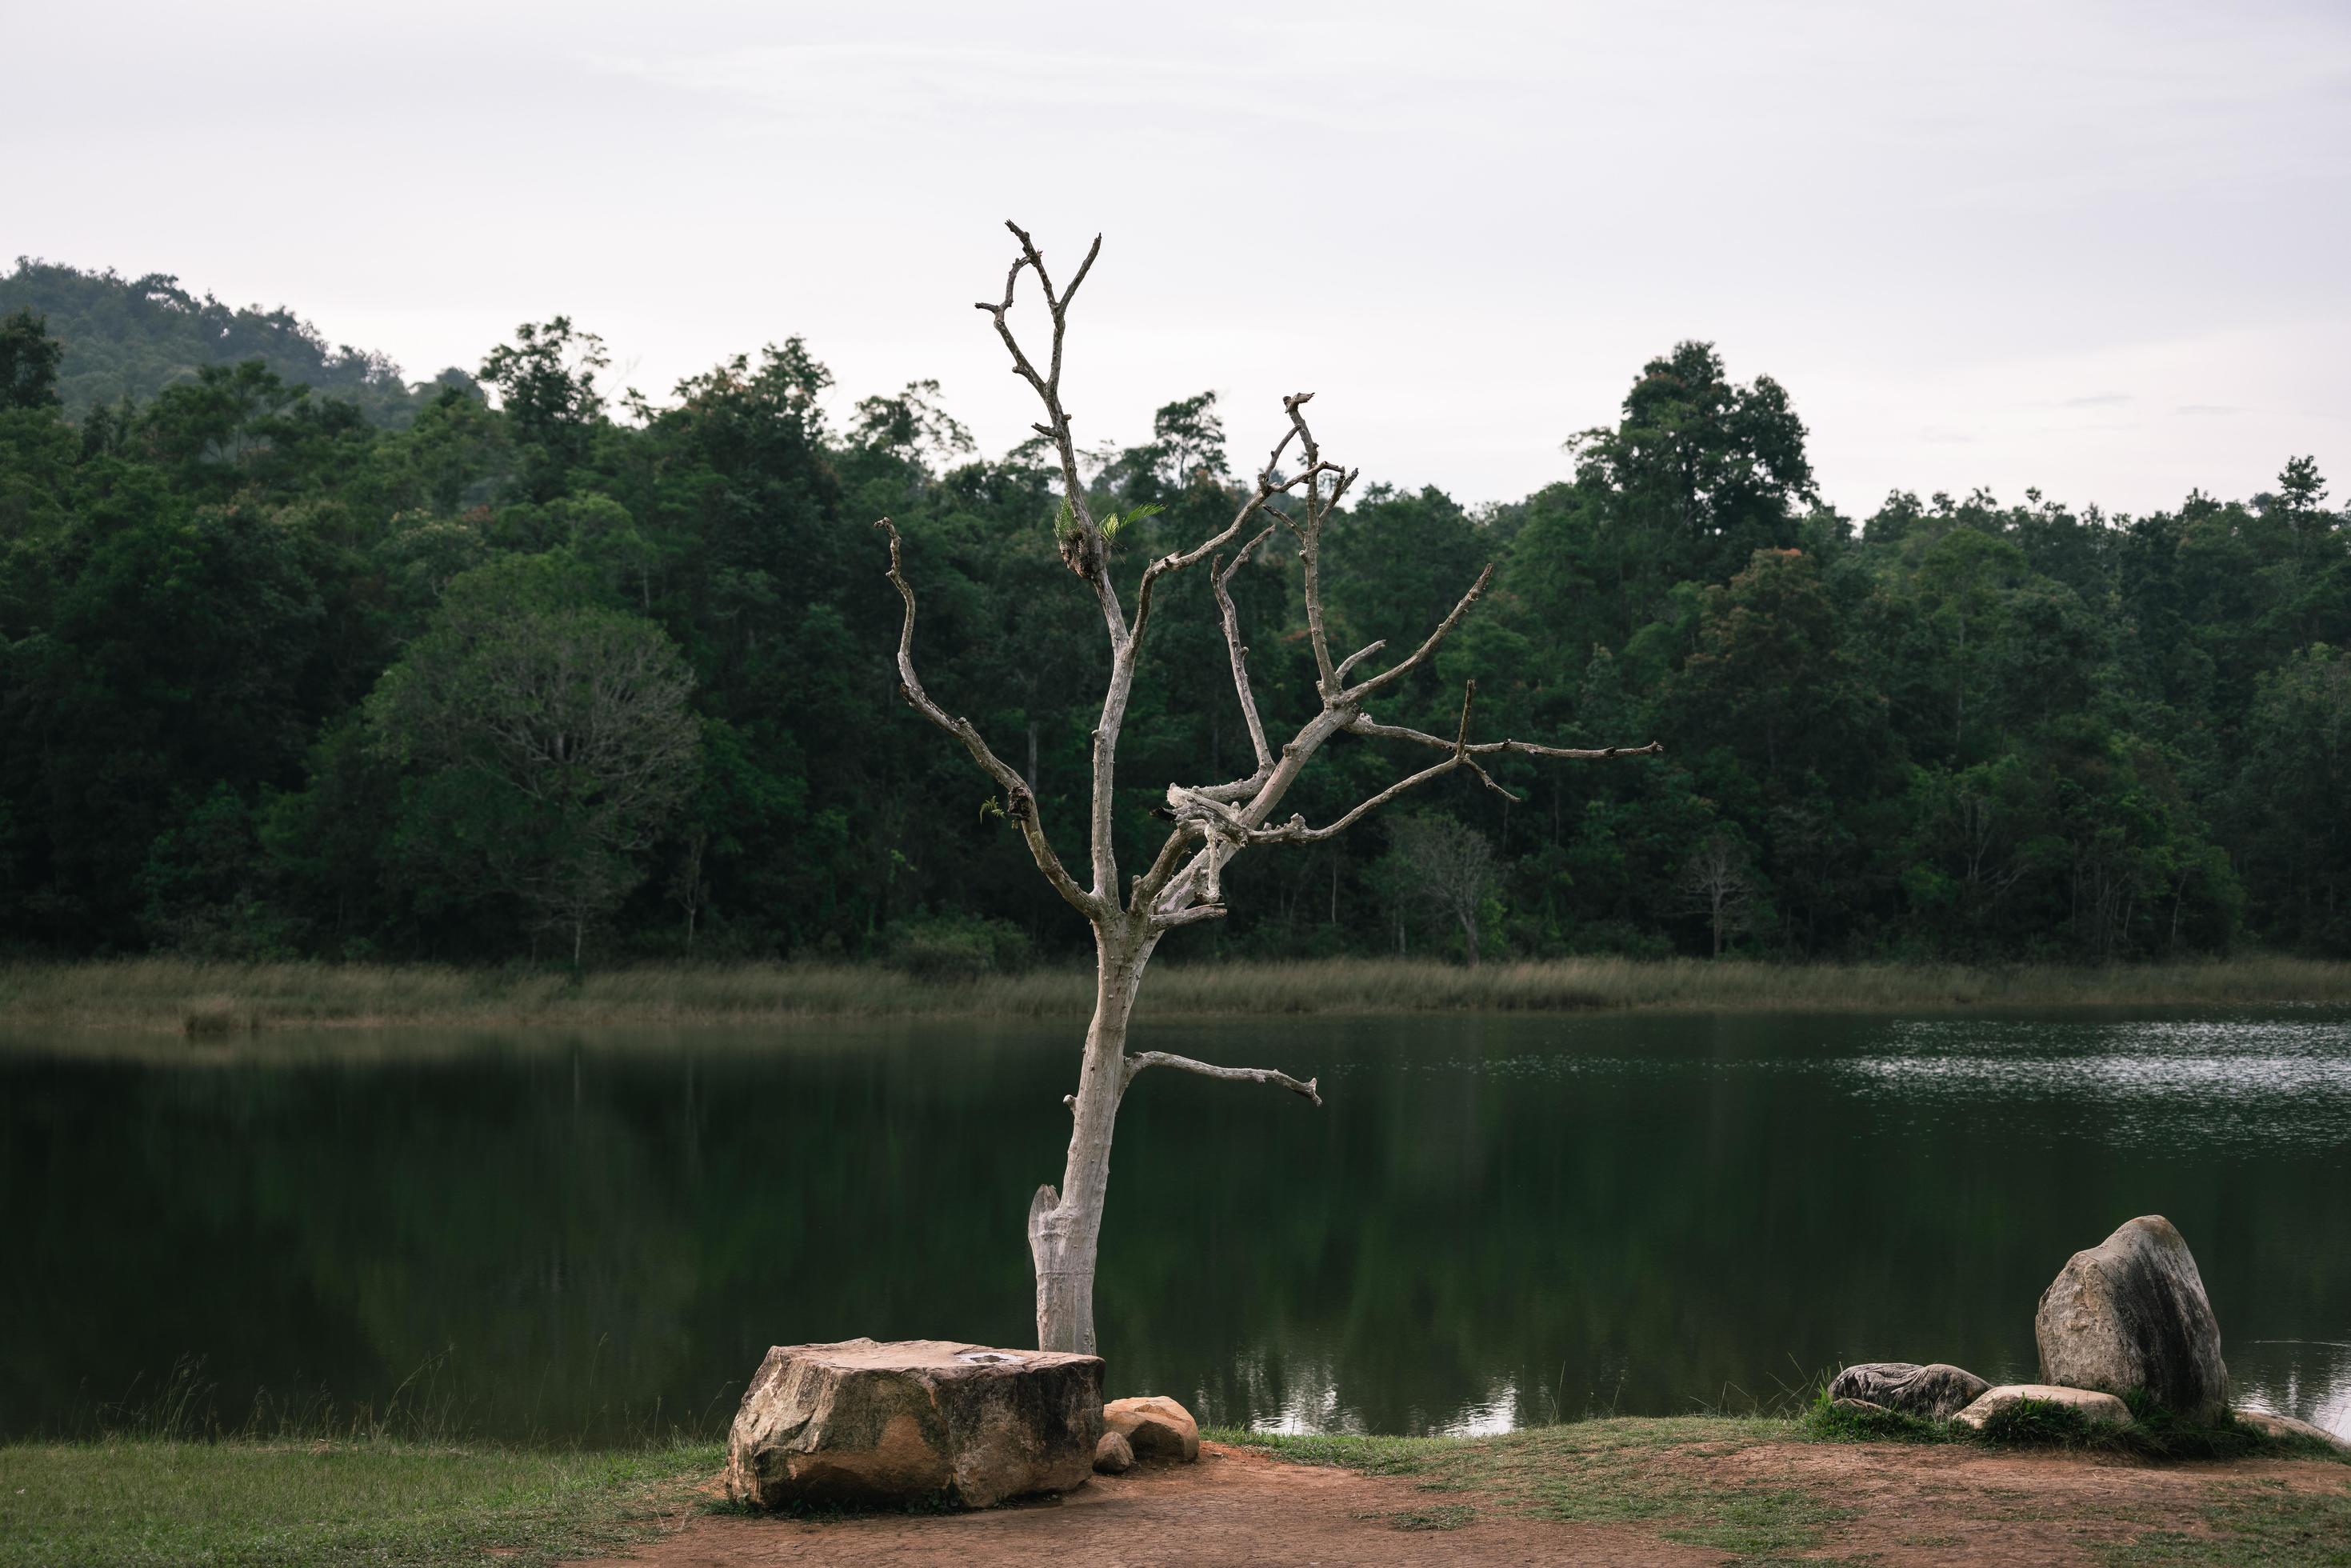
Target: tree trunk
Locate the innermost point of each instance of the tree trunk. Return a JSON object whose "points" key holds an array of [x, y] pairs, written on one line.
{"points": [[1469, 934], [1065, 1226]]}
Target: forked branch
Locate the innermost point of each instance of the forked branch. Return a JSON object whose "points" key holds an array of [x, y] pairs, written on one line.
{"points": [[1296, 831], [1023, 805], [1143, 1059]]}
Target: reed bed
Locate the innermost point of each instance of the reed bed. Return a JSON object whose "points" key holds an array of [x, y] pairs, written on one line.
{"points": [[201, 999]]}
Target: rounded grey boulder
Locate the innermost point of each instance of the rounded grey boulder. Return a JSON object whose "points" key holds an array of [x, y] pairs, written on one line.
{"points": [[2130, 1314], [1936, 1392]]}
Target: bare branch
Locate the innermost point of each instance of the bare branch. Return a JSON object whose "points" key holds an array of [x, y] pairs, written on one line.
{"points": [[1364, 724], [1184, 561], [1143, 1059], [1359, 655], [1310, 541], [1296, 831], [1016, 788], [1223, 576], [1356, 695], [1084, 555], [1192, 917], [1147, 885]]}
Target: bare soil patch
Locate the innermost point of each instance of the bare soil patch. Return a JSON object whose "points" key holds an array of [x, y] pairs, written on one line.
{"points": [[1879, 1502], [1235, 1506]]}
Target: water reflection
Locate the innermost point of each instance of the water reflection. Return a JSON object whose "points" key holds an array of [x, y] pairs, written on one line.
{"points": [[1493, 1221]]}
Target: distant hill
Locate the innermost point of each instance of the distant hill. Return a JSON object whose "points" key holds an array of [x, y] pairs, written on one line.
{"points": [[139, 335]]}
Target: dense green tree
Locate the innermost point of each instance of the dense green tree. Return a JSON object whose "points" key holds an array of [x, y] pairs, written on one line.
{"points": [[28, 361], [546, 740]]}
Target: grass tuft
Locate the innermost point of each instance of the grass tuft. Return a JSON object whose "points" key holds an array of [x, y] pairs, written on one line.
{"points": [[1826, 1421], [203, 1000]]}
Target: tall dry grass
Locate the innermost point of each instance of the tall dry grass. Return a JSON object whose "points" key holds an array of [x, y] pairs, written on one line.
{"points": [[198, 998]]}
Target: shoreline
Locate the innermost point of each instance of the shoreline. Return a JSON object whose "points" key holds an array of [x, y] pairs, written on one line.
{"points": [[198, 999]]}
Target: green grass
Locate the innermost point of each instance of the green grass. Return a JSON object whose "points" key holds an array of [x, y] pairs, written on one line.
{"points": [[2263, 1522], [1621, 1471], [230, 999], [244, 1503], [133, 1501], [1597, 1473]]}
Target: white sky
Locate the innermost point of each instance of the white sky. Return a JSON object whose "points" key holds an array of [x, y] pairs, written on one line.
{"points": [[2101, 250]]}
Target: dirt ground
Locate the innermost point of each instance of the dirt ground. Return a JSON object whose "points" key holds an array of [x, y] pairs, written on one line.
{"points": [[1922, 1505]]}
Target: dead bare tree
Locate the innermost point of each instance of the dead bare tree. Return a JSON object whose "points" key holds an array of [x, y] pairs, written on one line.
{"points": [[1449, 867], [1716, 885], [1184, 885]]}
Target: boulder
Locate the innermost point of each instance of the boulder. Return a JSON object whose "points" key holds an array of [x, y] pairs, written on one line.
{"points": [[2129, 1314], [862, 1422], [1113, 1455], [1156, 1428], [1936, 1392], [2273, 1425], [2104, 1408]]}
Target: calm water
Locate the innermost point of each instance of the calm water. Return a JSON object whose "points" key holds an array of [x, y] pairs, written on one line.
{"points": [[1491, 1221]]}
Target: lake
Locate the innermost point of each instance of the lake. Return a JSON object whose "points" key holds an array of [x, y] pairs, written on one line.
{"points": [[1492, 1220]]}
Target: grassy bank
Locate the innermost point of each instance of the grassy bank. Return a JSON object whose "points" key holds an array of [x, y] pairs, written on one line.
{"points": [[138, 1501], [1772, 1489], [198, 998], [1751, 1488]]}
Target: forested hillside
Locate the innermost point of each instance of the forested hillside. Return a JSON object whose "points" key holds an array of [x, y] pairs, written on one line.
{"points": [[132, 337], [533, 675]]}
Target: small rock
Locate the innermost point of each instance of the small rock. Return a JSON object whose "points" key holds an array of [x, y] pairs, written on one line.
{"points": [[2130, 1313], [2274, 1426], [1155, 1427], [1936, 1392], [866, 1422], [1113, 1455], [2104, 1408]]}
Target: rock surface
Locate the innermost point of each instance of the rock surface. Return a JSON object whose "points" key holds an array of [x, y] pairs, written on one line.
{"points": [[2130, 1313], [2096, 1405], [1155, 1427], [1113, 1455], [863, 1421], [1936, 1392], [2271, 1425]]}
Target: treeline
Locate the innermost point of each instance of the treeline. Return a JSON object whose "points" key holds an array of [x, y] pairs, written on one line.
{"points": [[540, 676]]}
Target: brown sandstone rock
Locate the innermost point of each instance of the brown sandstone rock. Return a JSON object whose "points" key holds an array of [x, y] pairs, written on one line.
{"points": [[1113, 1455], [2271, 1425], [2104, 1408], [866, 1422], [2130, 1313], [1155, 1427]]}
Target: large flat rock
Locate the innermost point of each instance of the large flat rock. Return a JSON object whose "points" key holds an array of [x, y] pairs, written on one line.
{"points": [[2130, 1314], [896, 1421]]}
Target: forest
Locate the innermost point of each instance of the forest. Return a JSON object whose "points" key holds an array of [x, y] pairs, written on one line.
{"points": [[300, 660]]}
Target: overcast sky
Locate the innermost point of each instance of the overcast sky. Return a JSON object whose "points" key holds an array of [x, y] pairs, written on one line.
{"points": [[2097, 249]]}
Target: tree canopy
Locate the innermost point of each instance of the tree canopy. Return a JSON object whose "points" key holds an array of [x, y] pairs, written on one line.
{"points": [[257, 620]]}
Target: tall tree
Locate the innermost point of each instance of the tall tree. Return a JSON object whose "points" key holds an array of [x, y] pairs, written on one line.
{"points": [[29, 357]]}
